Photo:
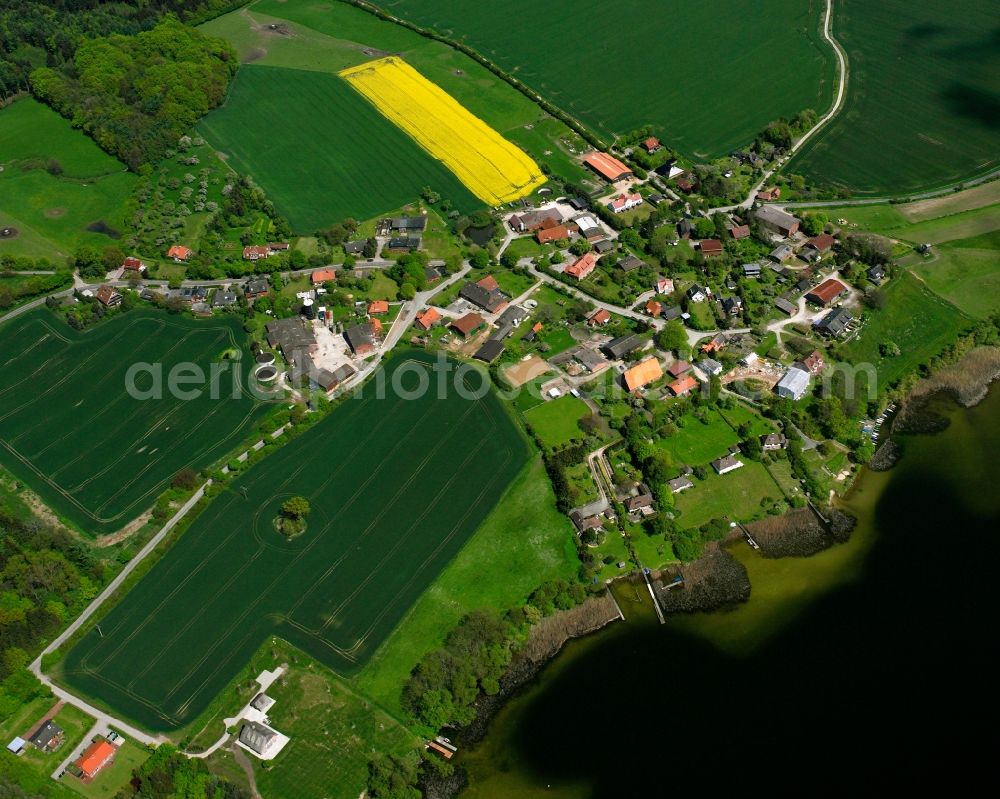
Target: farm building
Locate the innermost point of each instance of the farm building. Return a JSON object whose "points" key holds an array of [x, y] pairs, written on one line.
{"points": [[582, 266], [589, 359], [625, 202], [255, 252], [258, 738], [589, 227], [403, 244], [834, 323], [490, 351], [323, 276], [550, 234], [329, 382], [729, 463], [826, 292], [95, 757], [683, 385], [360, 339], [535, 220], [133, 264], [776, 220], [607, 166], [48, 737], [821, 243], [642, 374], [179, 253], [427, 318], [710, 248], [604, 246], [468, 325], [622, 346], [291, 336], [784, 305], [598, 318], [108, 296], [766, 195], [485, 294], [780, 254], [793, 385], [408, 224], [279, 246]]}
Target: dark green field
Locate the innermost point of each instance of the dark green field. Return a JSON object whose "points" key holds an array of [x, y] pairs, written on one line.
{"points": [[70, 430], [396, 487], [708, 74], [923, 99], [320, 150]]}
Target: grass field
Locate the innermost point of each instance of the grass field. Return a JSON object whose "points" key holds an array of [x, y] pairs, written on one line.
{"points": [[736, 495], [492, 168], [697, 443], [390, 507], [320, 150], [888, 220], [52, 211], [966, 276], [916, 319], [921, 102], [71, 431], [618, 67], [555, 421]]}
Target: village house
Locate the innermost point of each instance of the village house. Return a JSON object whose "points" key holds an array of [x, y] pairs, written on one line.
{"points": [[258, 738], [599, 318], [664, 285], [550, 234], [255, 252], [699, 293], [408, 224], [781, 253], [224, 298], [678, 367], [485, 294], [682, 385], [710, 248], [403, 244], [256, 287], [642, 374], [784, 305], [321, 276], [767, 195], [604, 246], [639, 503], [716, 343], [793, 384], [532, 334], [651, 145], [95, 757], [589, 359], [684, 185], [773, 441], [835, 323], [814, 363], [751, 271], [378, 307], [179, 253], [776, 220], [133, 264], [876, 274], [354, 247], [469, 325], [625, 202], [48, 737], [685, 228], [582, 266], [428, 317], [607, 166], [108, 296], [739, 232], [619, 347], [726, 464], [584, 523], [826, 292], [630, 263], [531, 221], [710, 367], [672, 313], [732, 306], [678, 484], [820, 244], [653, 308]]}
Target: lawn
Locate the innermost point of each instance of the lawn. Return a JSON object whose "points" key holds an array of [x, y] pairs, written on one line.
{"points": [[921, 99], [56, 182], [391, 505], [558, 338], [556, 422], [521, 544], [112, 778], [916, 319], [581, 482], [668, 62], [736, 495], [696, 443], [968, 277], [70, 429], [320, 150]]}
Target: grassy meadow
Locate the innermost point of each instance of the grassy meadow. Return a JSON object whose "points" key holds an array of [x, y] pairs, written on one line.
{"points": [[921, 101], [556, 422], [320, 150], [55, 183], [390, 508], [676, 66], [70, 430]]}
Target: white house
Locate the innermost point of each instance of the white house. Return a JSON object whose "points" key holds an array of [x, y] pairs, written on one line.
{"points": [[624, 202]]}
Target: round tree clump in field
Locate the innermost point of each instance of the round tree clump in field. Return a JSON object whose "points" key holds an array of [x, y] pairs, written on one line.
{"points": [[291, 521]]}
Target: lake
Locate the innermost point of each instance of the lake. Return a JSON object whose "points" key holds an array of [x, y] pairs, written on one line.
{"points": [[868, 668]]}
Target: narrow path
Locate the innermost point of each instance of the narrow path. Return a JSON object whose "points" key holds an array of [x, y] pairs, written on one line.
{"points": [[244, 763]]}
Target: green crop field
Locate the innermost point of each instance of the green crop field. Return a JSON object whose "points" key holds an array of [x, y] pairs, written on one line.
{"points": [[397, 484], [921, 105], [52, 212], [685, 67], [320, 150], [71, 431], [328, 37]]}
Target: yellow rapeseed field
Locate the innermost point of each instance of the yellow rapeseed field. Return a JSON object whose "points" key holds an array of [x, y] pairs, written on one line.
{"points": [[494, 169]]}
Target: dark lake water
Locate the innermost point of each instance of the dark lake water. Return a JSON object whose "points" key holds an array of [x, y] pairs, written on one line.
{"points": [[871, 668]]}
